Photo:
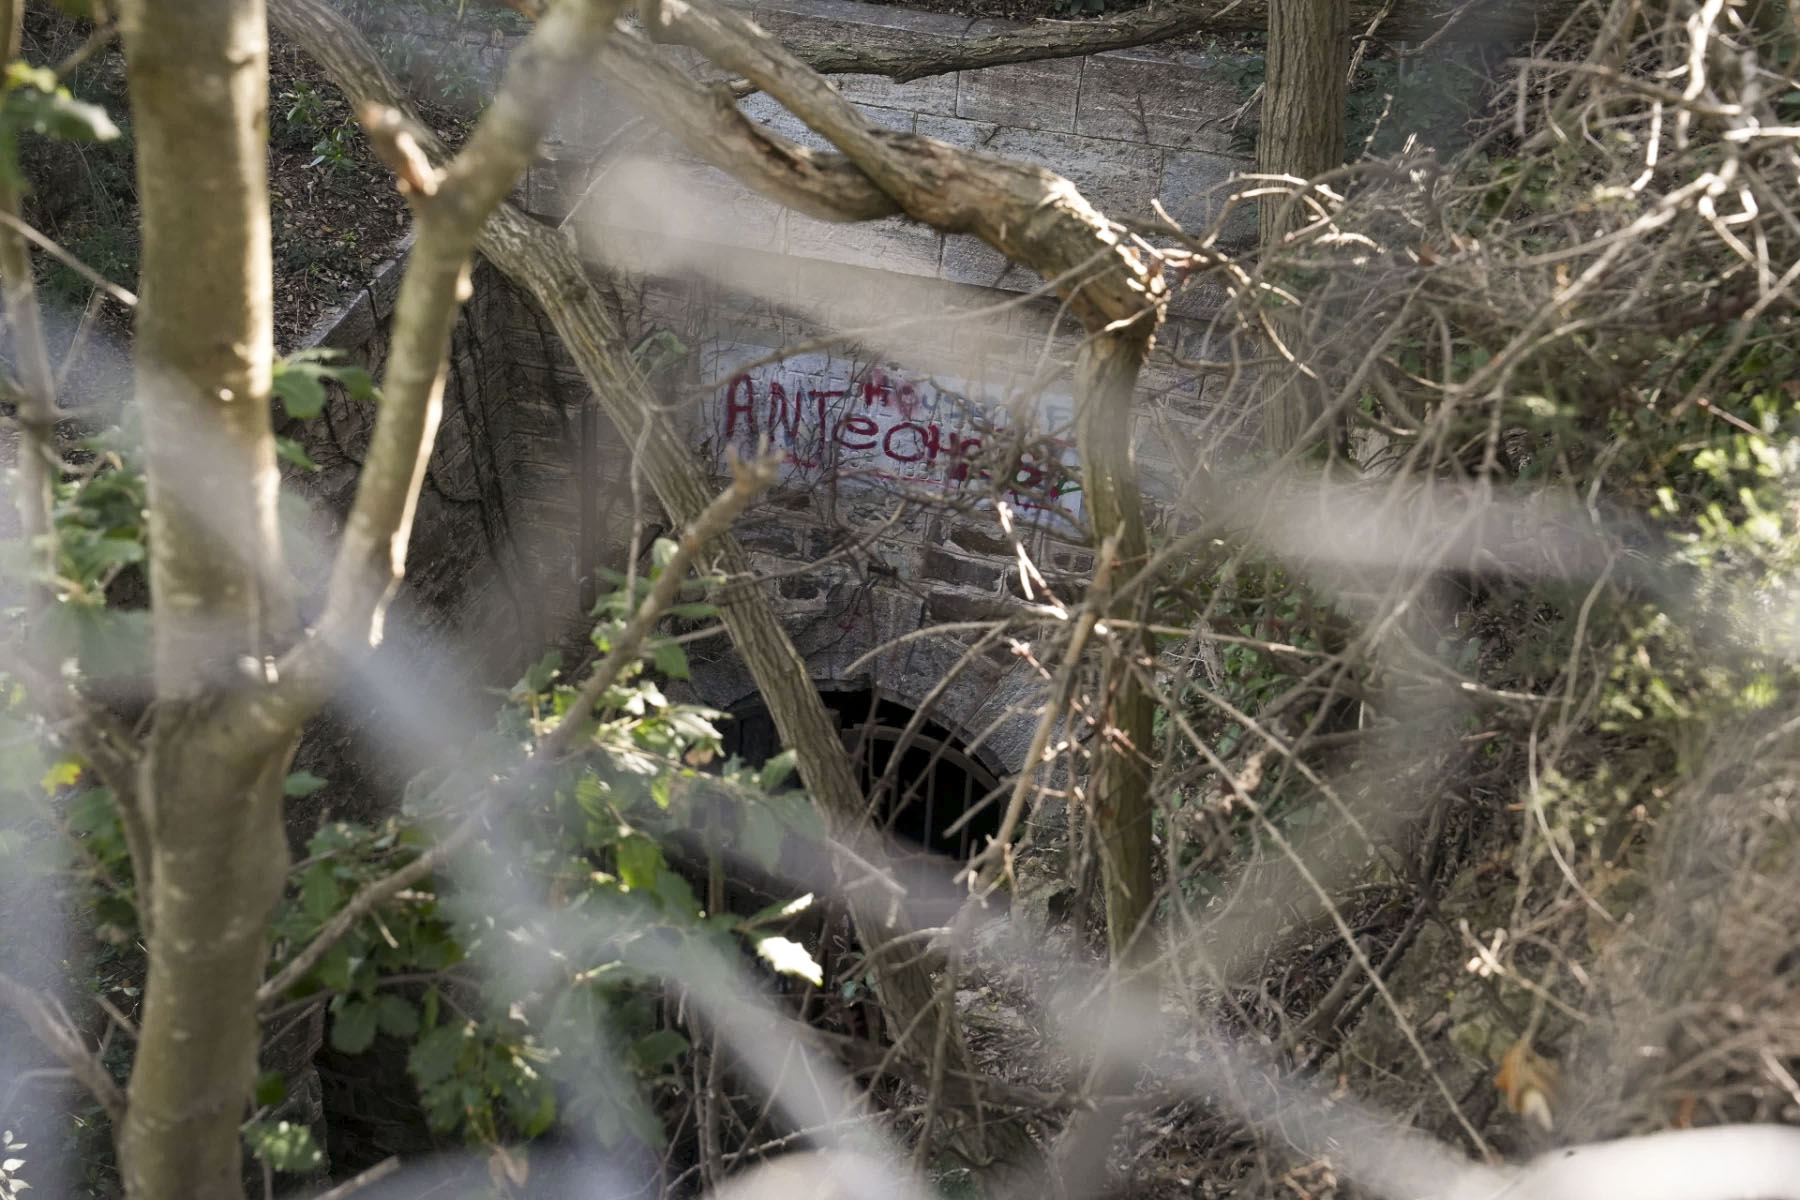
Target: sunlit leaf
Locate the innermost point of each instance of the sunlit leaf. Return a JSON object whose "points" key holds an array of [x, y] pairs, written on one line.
{"points": [[789, 958], [283, 1145]]}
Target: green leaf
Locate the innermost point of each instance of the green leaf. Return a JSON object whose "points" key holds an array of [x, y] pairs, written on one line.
{"points": [[271, 1089], [789, 958], [676, 894], [396, 1015], [353, 1029], [54, 113], [283, 1145], [671, 659], [301, 783], [358, 382], [539, 1121], [319, 891], [436, 1054], [541, 674], [117, 550], [775, 772], [640, 862], [302, 392], [693, 612], [655, 1051], [93, 812], [336, 970], [290, 451]]}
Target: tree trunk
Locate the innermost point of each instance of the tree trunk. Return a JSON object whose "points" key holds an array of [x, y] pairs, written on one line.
{"points": [[1119, 787], [1302, 135], [198, 73]]}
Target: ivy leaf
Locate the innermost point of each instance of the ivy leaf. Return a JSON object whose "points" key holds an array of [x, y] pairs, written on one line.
{"points": [[778, 911], [762, 837], [54, 113], [676, 895], [353, 1029], [789, 958], [60, 776], [640, 862], [541, 674], [319, 891]]}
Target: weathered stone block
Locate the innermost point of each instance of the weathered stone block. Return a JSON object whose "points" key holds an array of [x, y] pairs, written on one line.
{"points": [[981, 541], [1039, 95], [969, 260], [1195, 190], [935, 94], [944, 604], [896, 244], [1163, 99], [943, 567]]}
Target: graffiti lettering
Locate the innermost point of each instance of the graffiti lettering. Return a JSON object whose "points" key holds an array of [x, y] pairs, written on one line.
{"points": [[879, 426]]}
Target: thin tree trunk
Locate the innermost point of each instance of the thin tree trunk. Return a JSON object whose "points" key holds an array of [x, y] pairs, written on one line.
{"points": [[1119, 786], [198, 73], [1302, 135]]}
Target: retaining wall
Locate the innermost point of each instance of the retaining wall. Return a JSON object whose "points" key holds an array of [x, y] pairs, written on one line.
{"points": [[922, 370]]}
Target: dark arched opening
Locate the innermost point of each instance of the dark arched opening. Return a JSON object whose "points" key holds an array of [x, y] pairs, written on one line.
{"points": [[924, 789]]}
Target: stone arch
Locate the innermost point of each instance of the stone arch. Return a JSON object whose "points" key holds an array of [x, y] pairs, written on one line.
{"points": [[990, 706]]}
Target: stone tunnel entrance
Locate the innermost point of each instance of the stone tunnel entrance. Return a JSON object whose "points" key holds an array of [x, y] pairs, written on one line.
{"points": [[924, 789]]}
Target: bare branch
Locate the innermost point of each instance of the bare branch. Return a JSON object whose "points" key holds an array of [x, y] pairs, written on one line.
{"points": [[452, 206], [64, 1042], [357, 1183], [39, 461], [1033, 216], [707, 122], [910, 55], [127, 298]]}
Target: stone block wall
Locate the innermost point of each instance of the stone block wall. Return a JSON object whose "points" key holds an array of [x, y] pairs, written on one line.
{"points": [[463, 617], [888, 363]]}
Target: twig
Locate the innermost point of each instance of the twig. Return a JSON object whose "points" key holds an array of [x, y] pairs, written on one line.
{"points": [[364, 903], [374, 1174], [748, 480], [63, 1041], [451, 206], [48, 246], [996, 854]]}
